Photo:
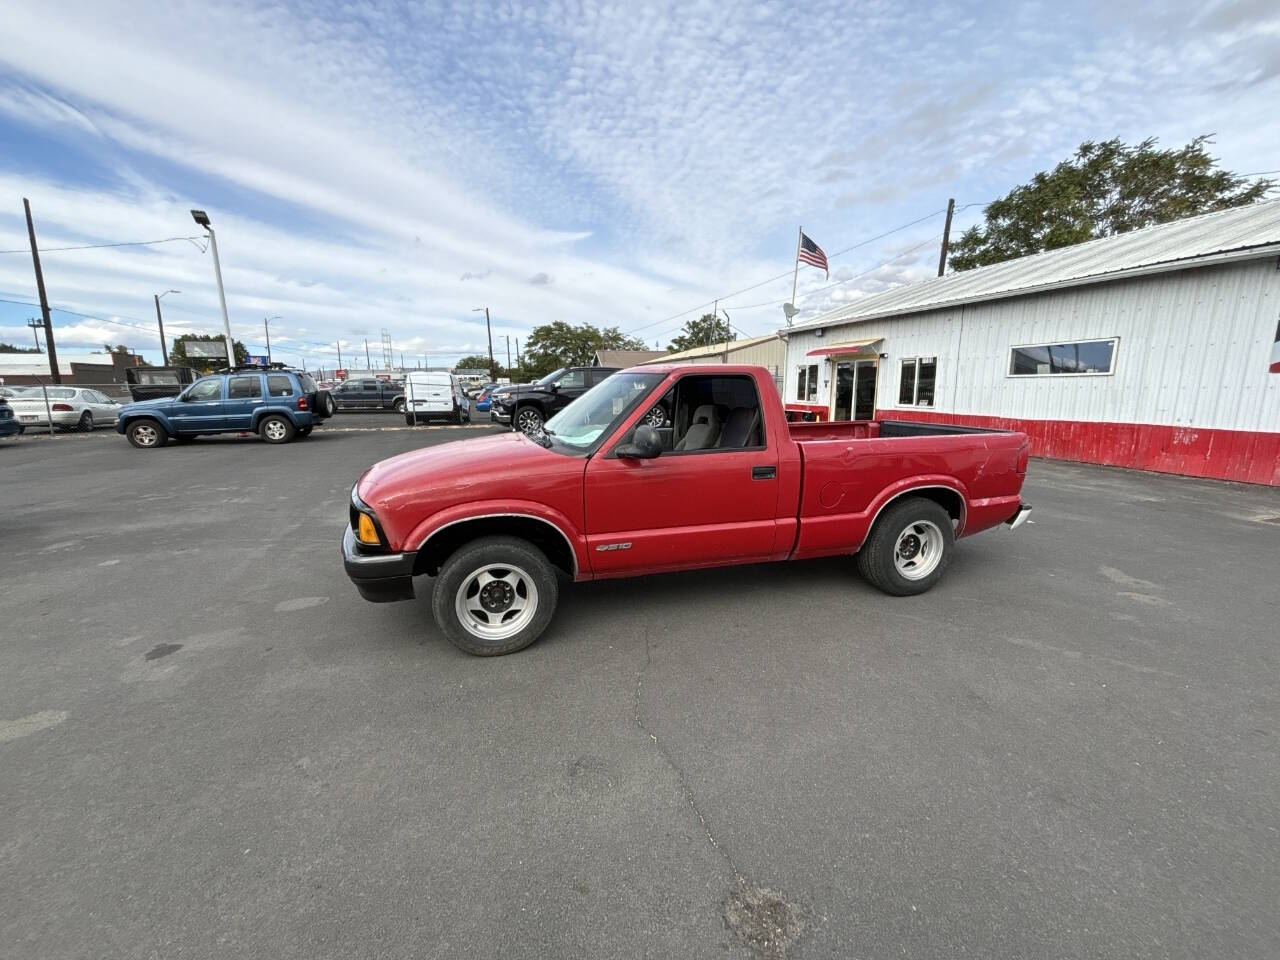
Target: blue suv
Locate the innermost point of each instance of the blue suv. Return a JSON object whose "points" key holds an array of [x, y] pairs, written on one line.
{"points": [[277, 404]]}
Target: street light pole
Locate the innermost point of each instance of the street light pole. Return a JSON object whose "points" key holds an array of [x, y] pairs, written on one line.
{"points": [[164, 350], [489, 331], [508, 337], [266, 326], [202, 218]]}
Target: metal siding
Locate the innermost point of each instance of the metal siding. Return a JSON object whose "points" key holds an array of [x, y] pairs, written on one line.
{"points": [[1190, 369]]}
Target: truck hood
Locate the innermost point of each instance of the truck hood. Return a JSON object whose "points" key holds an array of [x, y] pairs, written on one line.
{"points": [[406, 490], [146, 404]]}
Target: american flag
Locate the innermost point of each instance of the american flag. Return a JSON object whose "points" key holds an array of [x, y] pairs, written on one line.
{"points": [[812, 254]]}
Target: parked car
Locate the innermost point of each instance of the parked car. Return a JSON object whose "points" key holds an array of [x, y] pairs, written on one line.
{"points": [[278, 404], [369, 395], [9, 425], [600, 493], [434, 394], [532, 405], [152, 383], [72, 408], [482, 397]]}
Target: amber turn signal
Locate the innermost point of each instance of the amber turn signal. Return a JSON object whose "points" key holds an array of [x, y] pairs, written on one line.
{"points": [[366, 532]]}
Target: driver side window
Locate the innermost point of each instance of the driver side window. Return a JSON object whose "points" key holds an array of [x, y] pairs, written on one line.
{"points": [[210, 389], [709, 414], [573, 380]]}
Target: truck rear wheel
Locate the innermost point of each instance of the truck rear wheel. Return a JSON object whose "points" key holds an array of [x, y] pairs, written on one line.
{"points": [[909, 548], [495, 596]]}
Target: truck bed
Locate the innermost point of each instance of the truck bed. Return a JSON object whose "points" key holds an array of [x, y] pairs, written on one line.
{"points": [[850, 469], [867, 429]]}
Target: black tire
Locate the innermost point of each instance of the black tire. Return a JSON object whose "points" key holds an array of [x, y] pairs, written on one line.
{"points": [[934, 542], [146, 434], [528, 419], [409, 420], [398, 405], [306, 431], [21, 429], [276, 428], [456, 418], [523, 560], [325, 403], [86, 422]]}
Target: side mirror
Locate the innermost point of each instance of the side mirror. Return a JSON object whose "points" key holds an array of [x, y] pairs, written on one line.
{"points": [[645, 444], [555, 387]]}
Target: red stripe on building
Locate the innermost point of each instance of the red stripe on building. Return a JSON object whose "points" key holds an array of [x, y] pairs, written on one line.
{"points": [[1193, 451]]}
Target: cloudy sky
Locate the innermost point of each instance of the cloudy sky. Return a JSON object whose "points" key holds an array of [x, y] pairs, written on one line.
{"points": [[378, 165]]}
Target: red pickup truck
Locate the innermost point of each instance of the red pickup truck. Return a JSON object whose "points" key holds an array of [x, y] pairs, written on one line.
{"points": [[722, 479]]}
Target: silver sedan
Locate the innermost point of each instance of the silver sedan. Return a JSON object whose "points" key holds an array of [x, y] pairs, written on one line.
{"points": [[72, 408]]}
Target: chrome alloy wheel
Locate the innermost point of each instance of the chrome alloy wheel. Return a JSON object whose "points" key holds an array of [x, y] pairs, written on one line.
{"points": [[274, 430], [656, 417], [495, 602], [529, 421], [146, 435], [918, 550]]}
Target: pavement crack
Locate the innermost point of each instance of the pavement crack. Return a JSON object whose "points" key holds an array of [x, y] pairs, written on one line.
{"points": [[690, 798], [762, 920]]}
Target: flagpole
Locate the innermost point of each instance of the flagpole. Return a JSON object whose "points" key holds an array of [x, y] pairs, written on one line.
{"points": [[795, 274]]}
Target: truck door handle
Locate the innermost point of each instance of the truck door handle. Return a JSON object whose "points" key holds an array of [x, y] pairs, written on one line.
{"points": [[763, 473]]}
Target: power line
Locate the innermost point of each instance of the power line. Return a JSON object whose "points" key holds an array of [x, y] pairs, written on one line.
{"points": [[99, 246], [838, 253]]}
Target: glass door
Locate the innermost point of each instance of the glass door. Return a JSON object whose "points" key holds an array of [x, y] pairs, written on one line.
{"points": [[842, 390], [864, 391]]}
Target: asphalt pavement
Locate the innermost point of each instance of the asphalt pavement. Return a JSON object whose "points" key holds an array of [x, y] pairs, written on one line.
{"points": [[211, 746]]}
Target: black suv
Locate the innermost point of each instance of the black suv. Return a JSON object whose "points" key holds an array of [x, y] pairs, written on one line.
{"points": [[369, 395], [534, 404]]}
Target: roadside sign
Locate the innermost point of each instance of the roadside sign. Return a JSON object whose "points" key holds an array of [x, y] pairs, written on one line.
{"points": [[339, 374], [206, 349], [255, 360], [383, 376]]}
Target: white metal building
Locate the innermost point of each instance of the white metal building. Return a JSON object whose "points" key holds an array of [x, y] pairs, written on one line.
{"points": [[769, 351], [1152, 349]]}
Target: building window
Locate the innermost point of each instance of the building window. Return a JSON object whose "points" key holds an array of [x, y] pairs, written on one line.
{"points": [[915, 388], [807, 384], [1095, 357]]}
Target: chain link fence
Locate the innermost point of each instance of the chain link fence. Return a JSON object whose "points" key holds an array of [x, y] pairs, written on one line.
{"points": [[70, 407]]}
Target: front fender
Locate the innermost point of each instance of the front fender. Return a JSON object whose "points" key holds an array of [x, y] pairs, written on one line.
{"points": [[123, 421], [480, 509]]}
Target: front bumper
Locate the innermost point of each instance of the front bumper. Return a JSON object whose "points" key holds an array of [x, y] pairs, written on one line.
{"points": [[380, 577], [499, 415]]}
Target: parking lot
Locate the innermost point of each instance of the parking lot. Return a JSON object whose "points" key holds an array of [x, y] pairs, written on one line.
{"points": [[211, 746]]}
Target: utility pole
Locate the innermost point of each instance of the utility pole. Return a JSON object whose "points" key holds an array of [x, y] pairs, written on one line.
{"points": [[518, 362], [508, 336], [367, 362], [202, 219], [493, 375], [266, 328], [44, 301], [946, 237], [35, 326], [164, 350], [338, 343]]}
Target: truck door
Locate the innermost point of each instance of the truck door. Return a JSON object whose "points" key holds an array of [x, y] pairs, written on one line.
{"points": [[711, 498]]}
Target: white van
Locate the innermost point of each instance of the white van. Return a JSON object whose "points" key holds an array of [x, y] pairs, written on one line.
{"points": [[431, 394]]}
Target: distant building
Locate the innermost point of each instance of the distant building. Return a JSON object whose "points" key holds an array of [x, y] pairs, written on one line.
{"points": [[624, 358], [1149, 349], [769, 351], [30, 369]]}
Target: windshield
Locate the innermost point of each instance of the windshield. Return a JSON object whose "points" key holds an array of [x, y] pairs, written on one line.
{"points": [[581, 423], [553, 375]]}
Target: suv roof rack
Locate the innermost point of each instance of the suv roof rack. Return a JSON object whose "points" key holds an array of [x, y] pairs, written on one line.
{"points": [[254, 368]]}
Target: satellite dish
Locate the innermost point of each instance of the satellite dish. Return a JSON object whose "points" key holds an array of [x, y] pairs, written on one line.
{"points": [[789, 310]]}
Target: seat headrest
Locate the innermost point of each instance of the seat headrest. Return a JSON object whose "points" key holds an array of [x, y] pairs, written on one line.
{"points": [[706, 414]]}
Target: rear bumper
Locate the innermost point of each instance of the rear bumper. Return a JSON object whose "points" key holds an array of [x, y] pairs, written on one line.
{"points": [[1020, 517], [9, 427], [380, 578]]}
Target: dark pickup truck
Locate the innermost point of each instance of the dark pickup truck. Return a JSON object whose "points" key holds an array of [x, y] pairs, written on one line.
{"points": [[369, 395], [600, 492]]}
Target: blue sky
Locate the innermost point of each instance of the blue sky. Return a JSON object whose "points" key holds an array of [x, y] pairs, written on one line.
{"points": [[373, 165]]}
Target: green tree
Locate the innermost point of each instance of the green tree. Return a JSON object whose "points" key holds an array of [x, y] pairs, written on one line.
{"points": [[560, 344], [706, 329], [478, 361], [178, 353], [1106, 188], [13, 348]]}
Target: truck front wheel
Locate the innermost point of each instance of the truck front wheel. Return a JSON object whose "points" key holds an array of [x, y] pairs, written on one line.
{"points": [[909, 548], [494, 596]]}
